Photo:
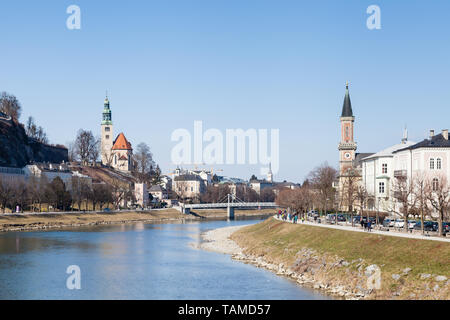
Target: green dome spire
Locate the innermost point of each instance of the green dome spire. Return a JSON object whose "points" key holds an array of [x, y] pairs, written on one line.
{"points": [[107, 116]]}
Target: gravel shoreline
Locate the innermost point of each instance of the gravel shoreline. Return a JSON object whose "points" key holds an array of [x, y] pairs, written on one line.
{"points": [[218, 240]]}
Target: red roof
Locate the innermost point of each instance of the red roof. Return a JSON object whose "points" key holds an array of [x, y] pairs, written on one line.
{"points": [[121, 143]]}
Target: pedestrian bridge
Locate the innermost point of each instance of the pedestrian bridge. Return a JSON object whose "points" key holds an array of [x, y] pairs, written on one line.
{"points": [[232, 203]]}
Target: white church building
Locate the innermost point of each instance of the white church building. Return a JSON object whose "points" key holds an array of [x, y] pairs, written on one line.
{"points": [[116, 153]]}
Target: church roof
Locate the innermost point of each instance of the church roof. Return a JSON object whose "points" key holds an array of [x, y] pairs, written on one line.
{"points": [[437, 141], [347, 107], [121, 143]]}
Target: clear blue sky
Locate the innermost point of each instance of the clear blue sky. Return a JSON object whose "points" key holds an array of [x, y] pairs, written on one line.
{"points": [[231, 64]]}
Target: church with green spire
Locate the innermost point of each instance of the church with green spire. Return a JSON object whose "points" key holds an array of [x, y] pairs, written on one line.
{"points": [[107, 134]]}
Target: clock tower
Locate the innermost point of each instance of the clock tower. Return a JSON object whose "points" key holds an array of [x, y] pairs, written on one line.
{"points": [[347, 146]]}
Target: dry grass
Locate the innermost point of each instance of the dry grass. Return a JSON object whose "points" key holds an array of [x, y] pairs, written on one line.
{"points": [[280, 242]]}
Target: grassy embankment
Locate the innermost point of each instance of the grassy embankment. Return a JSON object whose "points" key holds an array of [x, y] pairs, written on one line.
{"points": [[76, 219], [280, 242]]}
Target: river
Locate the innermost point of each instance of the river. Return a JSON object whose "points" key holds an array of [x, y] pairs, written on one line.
{"points": [[133, 261]]}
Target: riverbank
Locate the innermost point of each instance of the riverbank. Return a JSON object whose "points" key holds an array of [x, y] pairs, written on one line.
{"points": [[77, 219], [344, 264]]}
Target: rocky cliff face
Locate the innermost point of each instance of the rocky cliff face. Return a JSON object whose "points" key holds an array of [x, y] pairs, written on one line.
{"points": [[16, 150]]}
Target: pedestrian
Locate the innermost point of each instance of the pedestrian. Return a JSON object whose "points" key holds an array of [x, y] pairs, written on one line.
{"points": [[362, 222], [369, 226]]}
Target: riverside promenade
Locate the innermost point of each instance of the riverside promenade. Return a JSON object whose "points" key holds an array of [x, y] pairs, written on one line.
{"points": [[373, 231]]}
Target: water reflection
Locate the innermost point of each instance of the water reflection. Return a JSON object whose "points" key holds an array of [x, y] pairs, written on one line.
{"points": [[139, 261]]}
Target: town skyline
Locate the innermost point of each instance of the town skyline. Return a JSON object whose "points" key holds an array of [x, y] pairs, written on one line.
{"points": [[252, 74]]}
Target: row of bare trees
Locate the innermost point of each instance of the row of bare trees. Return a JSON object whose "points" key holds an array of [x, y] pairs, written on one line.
{"points": [[419, 195], [36, 193], [215, 193], [316, 192]]}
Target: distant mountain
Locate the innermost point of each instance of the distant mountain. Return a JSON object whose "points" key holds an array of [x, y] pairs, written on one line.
{"points": [[17, 150]]}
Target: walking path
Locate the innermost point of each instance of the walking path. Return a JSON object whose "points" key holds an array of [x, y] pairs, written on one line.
{"points": [[356, 229]]}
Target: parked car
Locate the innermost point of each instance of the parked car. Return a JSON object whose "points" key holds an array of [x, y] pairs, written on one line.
{"points": [[427, 226], [446, 227], [313, 213], [399, 223], [411, 224], [388, 223], [106, 210]]}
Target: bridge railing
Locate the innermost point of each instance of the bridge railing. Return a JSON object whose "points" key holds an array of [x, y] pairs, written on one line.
{"points": [[232, 204]]}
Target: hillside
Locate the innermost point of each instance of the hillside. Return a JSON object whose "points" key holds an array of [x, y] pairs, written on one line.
{"points": [[17, 150], [327, 258]]}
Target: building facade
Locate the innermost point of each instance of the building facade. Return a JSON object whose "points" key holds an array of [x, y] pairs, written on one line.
{"points": [[116, 153]]}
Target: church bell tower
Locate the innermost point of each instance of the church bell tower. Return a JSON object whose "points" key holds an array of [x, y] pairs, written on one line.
{"points": [[107, 134], [347, 146]]}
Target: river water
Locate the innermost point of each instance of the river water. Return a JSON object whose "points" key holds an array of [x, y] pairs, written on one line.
{"points": [[134, 261]]}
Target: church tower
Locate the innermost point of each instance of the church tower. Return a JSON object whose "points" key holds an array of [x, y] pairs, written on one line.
{"points": [[347, 146], [107, 134], [270, 174]]}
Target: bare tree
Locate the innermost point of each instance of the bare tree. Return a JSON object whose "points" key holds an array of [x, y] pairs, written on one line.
{"points": [[102, 194], [144, 162], [121, 192], [348, 193], [298, 200], [362, 196], [421, 190], [321, 179], [403, 189], [10, 105], [86, 147], [6, 193], [439, 198]]}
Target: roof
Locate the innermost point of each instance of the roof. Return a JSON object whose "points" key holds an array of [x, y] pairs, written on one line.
{"points": [[156, 188], [121, 143], [188, 177], [389, 152], [347, 107], [437, 141], [359, 157]]}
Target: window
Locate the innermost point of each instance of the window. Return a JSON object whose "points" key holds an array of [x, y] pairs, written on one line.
{"points": [[346, 133], [107, 129], [435, 184], [381, 187], [384, 168], [438, 163], [431, 164], [107, 137]]}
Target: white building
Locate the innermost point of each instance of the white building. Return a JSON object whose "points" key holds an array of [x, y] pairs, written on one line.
{"points": [[189, 186], [429, 157], [141, 194], [158, 192], [377, 173], [50, 171]]}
